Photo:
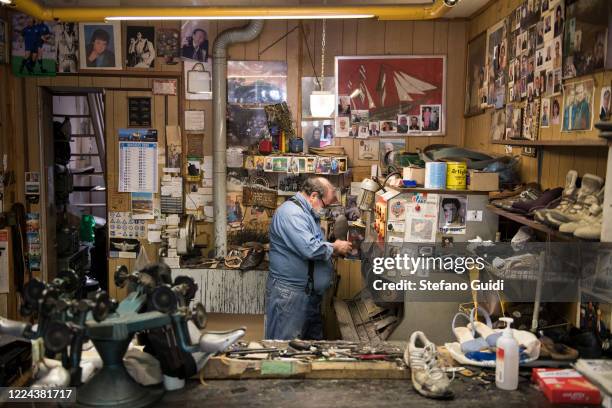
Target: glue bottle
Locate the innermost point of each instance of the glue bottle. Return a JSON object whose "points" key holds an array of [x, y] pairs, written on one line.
{"points": [[507, 359]]}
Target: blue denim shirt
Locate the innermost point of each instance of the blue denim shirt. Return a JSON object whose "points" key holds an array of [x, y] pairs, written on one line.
{"points": [[295, 238]]}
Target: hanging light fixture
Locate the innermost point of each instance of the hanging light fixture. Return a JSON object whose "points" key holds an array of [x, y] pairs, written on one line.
{"points": [[322, 103]]}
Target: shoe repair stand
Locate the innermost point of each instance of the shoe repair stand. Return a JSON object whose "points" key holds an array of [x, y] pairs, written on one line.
{"points": [[112, 386]]}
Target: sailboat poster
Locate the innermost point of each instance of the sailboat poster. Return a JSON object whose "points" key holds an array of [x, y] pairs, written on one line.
{"points": [[388, 86]]}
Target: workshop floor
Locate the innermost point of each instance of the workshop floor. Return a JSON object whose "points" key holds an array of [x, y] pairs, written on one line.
{"points": [[346, 393]]}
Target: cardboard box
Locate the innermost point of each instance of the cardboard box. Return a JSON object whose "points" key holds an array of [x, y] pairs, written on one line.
{"points": [[482, 181], [565, 386], [414, 173]]}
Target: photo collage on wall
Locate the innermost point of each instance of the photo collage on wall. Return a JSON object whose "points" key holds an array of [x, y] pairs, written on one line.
{"points": [[390, 96]]}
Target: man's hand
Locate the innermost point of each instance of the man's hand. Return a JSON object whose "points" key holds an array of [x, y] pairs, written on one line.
{"points": [[342, 247]]}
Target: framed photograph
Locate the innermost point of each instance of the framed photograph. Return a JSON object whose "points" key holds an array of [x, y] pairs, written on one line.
{"points": [[342, 164], [33, 51], [531, 120], [294, 165], [407, 83], [529, 151], [344, 105], [323, 165], [364, 131], [67, 45], [3, 42], [168, 44], [475, 84], [498, 124], [578, 106], [194, 40], [310, 164], [368, 150], [312, 133], [334, 167], [268, 163], [514, 124], [100, 46], [354, 130], [256, 82], [140, 45], [280, 164]]}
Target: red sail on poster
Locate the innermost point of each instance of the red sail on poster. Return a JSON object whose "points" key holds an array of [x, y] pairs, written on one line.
{"points": [[388, 86]]}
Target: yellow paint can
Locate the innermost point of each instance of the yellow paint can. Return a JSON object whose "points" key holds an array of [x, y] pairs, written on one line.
{"points": [[456, 175]]}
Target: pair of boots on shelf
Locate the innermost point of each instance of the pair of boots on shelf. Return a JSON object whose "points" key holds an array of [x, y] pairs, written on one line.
{"points": [[580, 210]]}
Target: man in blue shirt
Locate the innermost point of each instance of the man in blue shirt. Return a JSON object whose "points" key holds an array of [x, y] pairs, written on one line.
{"points": [[300, 263]]}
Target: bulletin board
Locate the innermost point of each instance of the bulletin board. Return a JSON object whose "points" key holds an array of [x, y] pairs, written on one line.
{"points": [[388, 86]]}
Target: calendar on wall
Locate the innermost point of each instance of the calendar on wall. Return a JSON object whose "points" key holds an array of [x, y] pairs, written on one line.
{"points": [[138, 161]]}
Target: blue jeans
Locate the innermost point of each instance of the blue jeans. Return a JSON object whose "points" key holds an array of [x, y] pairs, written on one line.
{"points": [[291, 313]]}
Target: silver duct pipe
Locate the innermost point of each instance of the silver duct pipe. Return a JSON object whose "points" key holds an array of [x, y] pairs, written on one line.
{"points": [[219, 89]]}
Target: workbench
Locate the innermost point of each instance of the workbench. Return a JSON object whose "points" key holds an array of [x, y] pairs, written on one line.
{"points": [[348, 394]]}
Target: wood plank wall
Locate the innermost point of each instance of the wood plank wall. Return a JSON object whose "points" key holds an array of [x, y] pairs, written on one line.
{"points": [[370, 37], [19, 130], [556, 161]]}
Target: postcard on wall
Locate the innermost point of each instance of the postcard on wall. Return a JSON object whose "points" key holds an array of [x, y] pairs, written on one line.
{"points": [[142, 205], [121, 224], [194, 121], [164, 86], [174, 149], [368, 150], [452, 214], [421, 218]]}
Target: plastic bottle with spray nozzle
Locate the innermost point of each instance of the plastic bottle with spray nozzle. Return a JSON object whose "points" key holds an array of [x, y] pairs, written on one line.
{"points": [[507, 359]]}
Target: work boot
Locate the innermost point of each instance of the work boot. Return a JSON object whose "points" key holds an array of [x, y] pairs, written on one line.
{"points": [[428, 378], [568, 197], [589, 194], [532, 192], [594, 217], [591, 230]]}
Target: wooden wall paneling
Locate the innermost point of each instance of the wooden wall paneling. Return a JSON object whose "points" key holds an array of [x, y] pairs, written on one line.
{"points": [[308, 45], [294, 72], [349, 37], [398, 37], [422, 44], [370, 37], [333, 47], [455, 83], [453, 76]]}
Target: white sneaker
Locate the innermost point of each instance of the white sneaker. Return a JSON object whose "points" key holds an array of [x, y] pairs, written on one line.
{"points": [[428, 378]]}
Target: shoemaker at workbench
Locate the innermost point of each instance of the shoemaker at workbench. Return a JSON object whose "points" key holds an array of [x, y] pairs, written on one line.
{"points": [[300, 263]]}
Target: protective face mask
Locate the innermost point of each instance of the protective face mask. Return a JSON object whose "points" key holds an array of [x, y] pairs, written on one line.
{"points": [[320, 212]]}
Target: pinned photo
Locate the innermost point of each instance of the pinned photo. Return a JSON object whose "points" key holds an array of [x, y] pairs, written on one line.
{"points": [[414, 124], [402, 123], [354, 130], [344, 105], [545, 116], [364, 131], [368, 150], [140, 47], [388, 127], [556, 112], [374, 129], [604, 104], [194, 40], [342, 126], [101, 45], [430, 118]]}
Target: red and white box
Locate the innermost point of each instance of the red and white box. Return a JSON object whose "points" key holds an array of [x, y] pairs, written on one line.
{"points": [[565, 386]]}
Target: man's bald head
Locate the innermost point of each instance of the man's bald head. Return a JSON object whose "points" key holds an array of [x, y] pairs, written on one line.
{"points": [[322, 187]]}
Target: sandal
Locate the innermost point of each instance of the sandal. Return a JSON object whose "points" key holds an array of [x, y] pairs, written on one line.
{"points": [[465, 336], [233, 260], [486, 331]]}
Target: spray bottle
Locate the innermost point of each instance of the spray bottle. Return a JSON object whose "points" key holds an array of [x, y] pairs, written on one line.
{"points": [[507, 359]]}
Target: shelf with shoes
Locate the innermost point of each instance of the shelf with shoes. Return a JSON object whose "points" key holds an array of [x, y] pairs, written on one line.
{"points": [[552, 234]]}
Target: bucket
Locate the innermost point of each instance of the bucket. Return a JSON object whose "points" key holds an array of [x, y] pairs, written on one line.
{"points": [[435, 175], [456, 175]]}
